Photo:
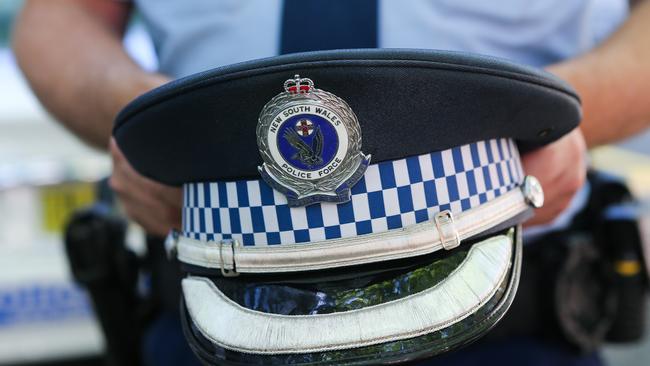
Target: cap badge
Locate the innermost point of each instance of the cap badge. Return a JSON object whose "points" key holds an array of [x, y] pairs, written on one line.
{"points": [[310, 142]]}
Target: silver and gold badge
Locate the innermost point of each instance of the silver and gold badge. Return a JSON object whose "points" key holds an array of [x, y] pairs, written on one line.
{"points": [[310, 141]]}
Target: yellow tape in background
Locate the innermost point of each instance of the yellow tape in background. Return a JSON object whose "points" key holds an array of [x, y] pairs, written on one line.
{"points": [[60, 201]]}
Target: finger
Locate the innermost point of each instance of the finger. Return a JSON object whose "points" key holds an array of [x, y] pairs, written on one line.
{"points": [[550, 211], [149, 223], [149, 212], [115, 151], [171, 196], [140, 204], [136, 196], [154, 206], [130, 178], [558, 197]]}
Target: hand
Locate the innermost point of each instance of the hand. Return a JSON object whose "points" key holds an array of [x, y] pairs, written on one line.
{"points": [[154, 206], [561, 167]]}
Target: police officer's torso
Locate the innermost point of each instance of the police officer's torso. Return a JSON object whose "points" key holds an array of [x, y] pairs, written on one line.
{"points": [[195, 35]]}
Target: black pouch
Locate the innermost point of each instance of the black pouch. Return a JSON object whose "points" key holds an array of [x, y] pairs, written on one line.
{"points": [[616, 233], [587, 284]]}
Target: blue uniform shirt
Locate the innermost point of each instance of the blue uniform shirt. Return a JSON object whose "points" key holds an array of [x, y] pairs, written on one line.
{"points": [[195, 35]]}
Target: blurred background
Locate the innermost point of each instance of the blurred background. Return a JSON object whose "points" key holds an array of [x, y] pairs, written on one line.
{"points": [[46, 174]]}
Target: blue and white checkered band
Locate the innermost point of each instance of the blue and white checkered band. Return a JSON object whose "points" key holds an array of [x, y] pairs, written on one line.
{"points": [[391, 195]]}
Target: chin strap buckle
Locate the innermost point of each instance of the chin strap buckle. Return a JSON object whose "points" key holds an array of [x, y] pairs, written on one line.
{"points": [[447, 229], [171, 244], [222, 261], [533, 192]]}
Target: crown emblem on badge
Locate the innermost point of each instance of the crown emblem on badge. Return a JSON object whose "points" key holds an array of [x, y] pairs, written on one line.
{"points": [[310, 142], [298, 85]]}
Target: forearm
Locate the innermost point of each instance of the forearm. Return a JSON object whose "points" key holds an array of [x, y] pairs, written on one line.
{"points": [[72, 56], [613, 81]]}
